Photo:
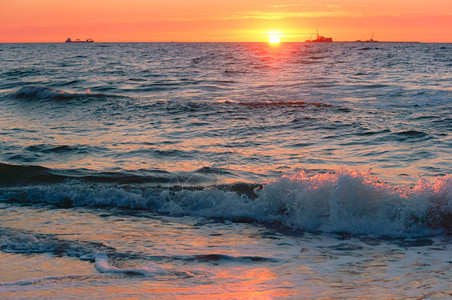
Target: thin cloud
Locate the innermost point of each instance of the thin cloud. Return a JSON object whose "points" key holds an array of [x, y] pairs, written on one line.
{"points": [[282, 15], [290, 5]]}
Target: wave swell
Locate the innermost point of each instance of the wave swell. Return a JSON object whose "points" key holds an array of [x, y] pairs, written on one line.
{"points": [[47, 93], [17, 175]]}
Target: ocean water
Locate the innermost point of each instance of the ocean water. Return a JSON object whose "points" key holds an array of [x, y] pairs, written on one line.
{"points": [[226, 170]]}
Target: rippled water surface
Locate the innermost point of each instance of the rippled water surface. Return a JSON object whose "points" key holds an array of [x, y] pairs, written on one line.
{"points": [[243, 112], [232, 170]]}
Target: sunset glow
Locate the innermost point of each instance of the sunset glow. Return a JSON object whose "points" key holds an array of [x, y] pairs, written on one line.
{"points": [[198, 20]]}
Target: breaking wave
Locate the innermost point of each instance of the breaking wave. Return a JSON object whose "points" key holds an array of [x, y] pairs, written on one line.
{"points": [[47, 93], [344, 200], [41, 93]]}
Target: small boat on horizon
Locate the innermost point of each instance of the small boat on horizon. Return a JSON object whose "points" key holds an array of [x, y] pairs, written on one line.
{"points": [[79, 41], [371, 40], [320, 39]]}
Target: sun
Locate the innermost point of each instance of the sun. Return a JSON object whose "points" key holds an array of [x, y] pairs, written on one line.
{"points": [[274, 39], [274, 36]]}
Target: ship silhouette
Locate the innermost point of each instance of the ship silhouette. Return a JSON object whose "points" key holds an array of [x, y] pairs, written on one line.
{"points": [[320, 39], [79, 41]]}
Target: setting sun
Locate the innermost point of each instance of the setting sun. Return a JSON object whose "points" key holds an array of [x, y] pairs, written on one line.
{"points": [[274, 36], [274, 39]]}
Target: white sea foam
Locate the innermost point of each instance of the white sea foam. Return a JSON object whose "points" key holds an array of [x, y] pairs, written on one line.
{"points": [[25, 243], [102, 265]]}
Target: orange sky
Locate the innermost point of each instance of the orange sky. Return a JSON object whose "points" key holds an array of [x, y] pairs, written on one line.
{"points": [[223, 20]]}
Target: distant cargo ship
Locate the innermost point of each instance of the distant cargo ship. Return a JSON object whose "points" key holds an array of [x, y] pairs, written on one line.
{"points": [[79, 41], [320, 39]]}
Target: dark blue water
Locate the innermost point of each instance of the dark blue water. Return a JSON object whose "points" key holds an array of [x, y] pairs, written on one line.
{"points": [[240, 112]]}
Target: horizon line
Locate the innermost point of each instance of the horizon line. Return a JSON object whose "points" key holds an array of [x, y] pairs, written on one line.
{"points": [[282, 42]]}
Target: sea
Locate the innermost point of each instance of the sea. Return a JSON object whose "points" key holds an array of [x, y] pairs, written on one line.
{"points": [[226, 171]]}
